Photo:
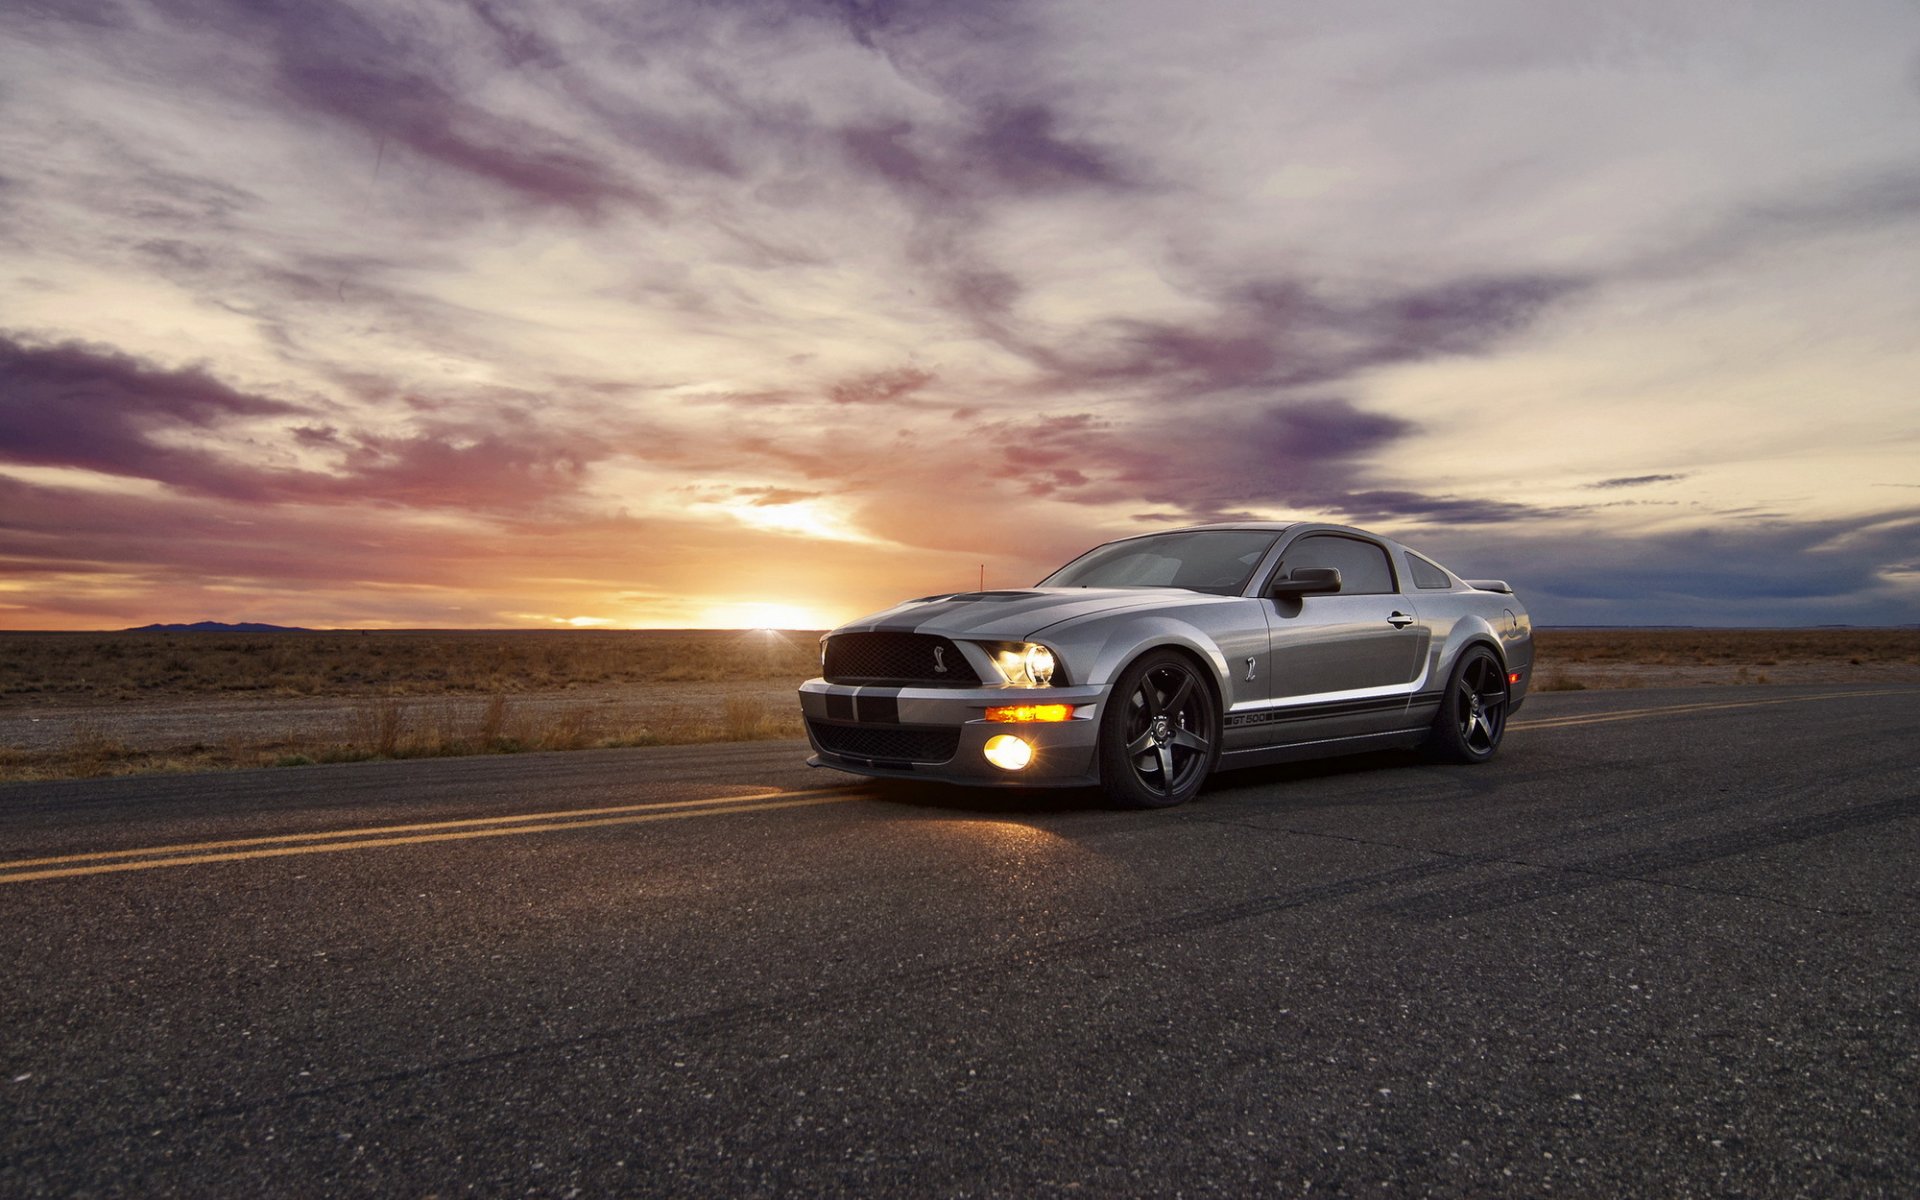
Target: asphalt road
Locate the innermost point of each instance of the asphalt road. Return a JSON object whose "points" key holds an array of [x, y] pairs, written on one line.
{"points": [[1662, 946]]}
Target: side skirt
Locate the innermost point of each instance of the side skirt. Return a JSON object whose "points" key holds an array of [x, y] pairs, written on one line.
{"points": [[1324, 748]]}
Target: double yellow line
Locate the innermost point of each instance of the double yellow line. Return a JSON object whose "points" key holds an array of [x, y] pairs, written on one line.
{"points": [[183, 854], [147, 858]]}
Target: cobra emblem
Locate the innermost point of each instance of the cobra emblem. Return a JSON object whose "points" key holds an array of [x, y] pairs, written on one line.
{"points": [[940, 660], [1249, 668]]}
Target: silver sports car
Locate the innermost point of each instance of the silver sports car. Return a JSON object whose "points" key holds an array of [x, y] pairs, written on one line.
{"points": [[1146, 663]]}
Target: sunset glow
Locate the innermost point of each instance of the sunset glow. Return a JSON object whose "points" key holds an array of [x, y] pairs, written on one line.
{"points": [[765, 617], [771, 314]]}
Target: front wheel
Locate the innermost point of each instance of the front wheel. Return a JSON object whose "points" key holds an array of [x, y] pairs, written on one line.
{"points": [[1473, 715], [1160, 735]]}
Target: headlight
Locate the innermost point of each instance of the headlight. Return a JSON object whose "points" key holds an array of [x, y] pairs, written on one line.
{"points": [[1025, 664], [1039, 662]]}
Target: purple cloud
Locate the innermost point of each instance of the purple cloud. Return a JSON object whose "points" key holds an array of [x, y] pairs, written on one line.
{"points": [[1282, 334], [1782, 571], [1635, 481], [1015, 150], [885, 151], [97, 409], [1388, 507], [333, 61], [87, 406], [1020, 145]]}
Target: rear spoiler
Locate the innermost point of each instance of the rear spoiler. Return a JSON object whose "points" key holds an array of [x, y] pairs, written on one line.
{"points": [[1489, 585]]}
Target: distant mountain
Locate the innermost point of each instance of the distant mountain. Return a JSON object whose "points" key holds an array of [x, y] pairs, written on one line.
{"points": [[220, 627]]}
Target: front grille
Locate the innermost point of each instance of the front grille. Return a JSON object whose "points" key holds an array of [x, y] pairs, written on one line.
{"points": [[887, 743], [896, 658]]}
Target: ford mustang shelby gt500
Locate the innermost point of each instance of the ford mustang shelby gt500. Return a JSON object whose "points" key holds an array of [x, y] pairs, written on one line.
{"points": [[1145, 663]]}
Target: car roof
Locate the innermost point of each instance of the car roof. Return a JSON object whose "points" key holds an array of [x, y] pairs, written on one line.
{"points": [[1267, 527], [1281, 528]]}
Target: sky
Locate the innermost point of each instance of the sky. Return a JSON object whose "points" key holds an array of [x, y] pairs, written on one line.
{"points": [[729, 313]]}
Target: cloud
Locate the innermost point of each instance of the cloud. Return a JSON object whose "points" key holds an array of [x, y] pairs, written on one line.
{"points": [[1777, 572], [982, 281], [1387, 507], [880, 387], [1463, 316], [1277, 334], [1635, 481], [110, 559], [96, 409], [887, 151], [1021, 145], [73, 405], [464, 466], [767, 497], [390, 80], [1868, 199], [951, 170], [1300, 454]]}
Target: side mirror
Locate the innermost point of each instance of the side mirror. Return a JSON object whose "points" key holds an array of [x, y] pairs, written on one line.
{"points": [[1306, 581]]}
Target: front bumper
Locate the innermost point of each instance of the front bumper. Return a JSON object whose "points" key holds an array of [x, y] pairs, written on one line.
{"points": [[941, 733]]}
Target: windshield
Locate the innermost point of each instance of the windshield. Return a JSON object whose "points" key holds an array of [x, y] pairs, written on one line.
{"points": [[1201, 560]]}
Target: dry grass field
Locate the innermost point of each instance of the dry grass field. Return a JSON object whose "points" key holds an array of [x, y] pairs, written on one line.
{"points": [[89, 704], [1576, 659], [127, 666]]}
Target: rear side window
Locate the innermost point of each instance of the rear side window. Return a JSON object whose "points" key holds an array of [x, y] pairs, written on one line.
{"points": [[1363, 566], [1426, 574]]}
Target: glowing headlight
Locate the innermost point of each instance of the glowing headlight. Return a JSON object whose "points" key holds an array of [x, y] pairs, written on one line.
{"points": [[1025, 664], [1039, 664]]}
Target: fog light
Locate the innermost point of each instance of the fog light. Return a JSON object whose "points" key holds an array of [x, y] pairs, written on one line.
{"points": [[1007, 752]]}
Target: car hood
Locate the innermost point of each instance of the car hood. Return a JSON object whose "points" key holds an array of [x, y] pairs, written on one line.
{"points": [[1013, 615]]}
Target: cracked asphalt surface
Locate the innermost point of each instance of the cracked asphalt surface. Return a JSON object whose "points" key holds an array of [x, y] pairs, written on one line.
{"points": [[1662, 946]]}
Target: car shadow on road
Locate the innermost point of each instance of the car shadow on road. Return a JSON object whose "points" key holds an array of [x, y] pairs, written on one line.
{"points": [[1304, 782]]}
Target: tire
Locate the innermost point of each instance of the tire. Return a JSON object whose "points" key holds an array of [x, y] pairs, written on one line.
{"points": [[1473, 713], [1160, 735]]}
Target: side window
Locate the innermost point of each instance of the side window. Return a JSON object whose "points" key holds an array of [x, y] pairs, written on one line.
{"points": [[1362, 565], [1426, 574]]}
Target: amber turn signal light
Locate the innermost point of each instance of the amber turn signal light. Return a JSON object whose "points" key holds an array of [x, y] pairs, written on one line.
{"points": [[1031, 712]]}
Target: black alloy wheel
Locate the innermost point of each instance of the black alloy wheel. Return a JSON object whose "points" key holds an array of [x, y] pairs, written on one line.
{"points": [[1473, 716], [1160, 735]]}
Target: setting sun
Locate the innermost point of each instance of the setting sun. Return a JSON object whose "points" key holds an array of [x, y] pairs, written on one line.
{"points": [[384, 327], [756, 615]]}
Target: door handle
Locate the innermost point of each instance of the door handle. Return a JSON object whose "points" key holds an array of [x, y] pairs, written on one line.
{"points": [[1399, 620]]}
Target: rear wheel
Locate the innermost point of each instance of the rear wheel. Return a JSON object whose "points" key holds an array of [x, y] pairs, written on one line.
{"points": [[1473, 716], [1160, 735]]}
